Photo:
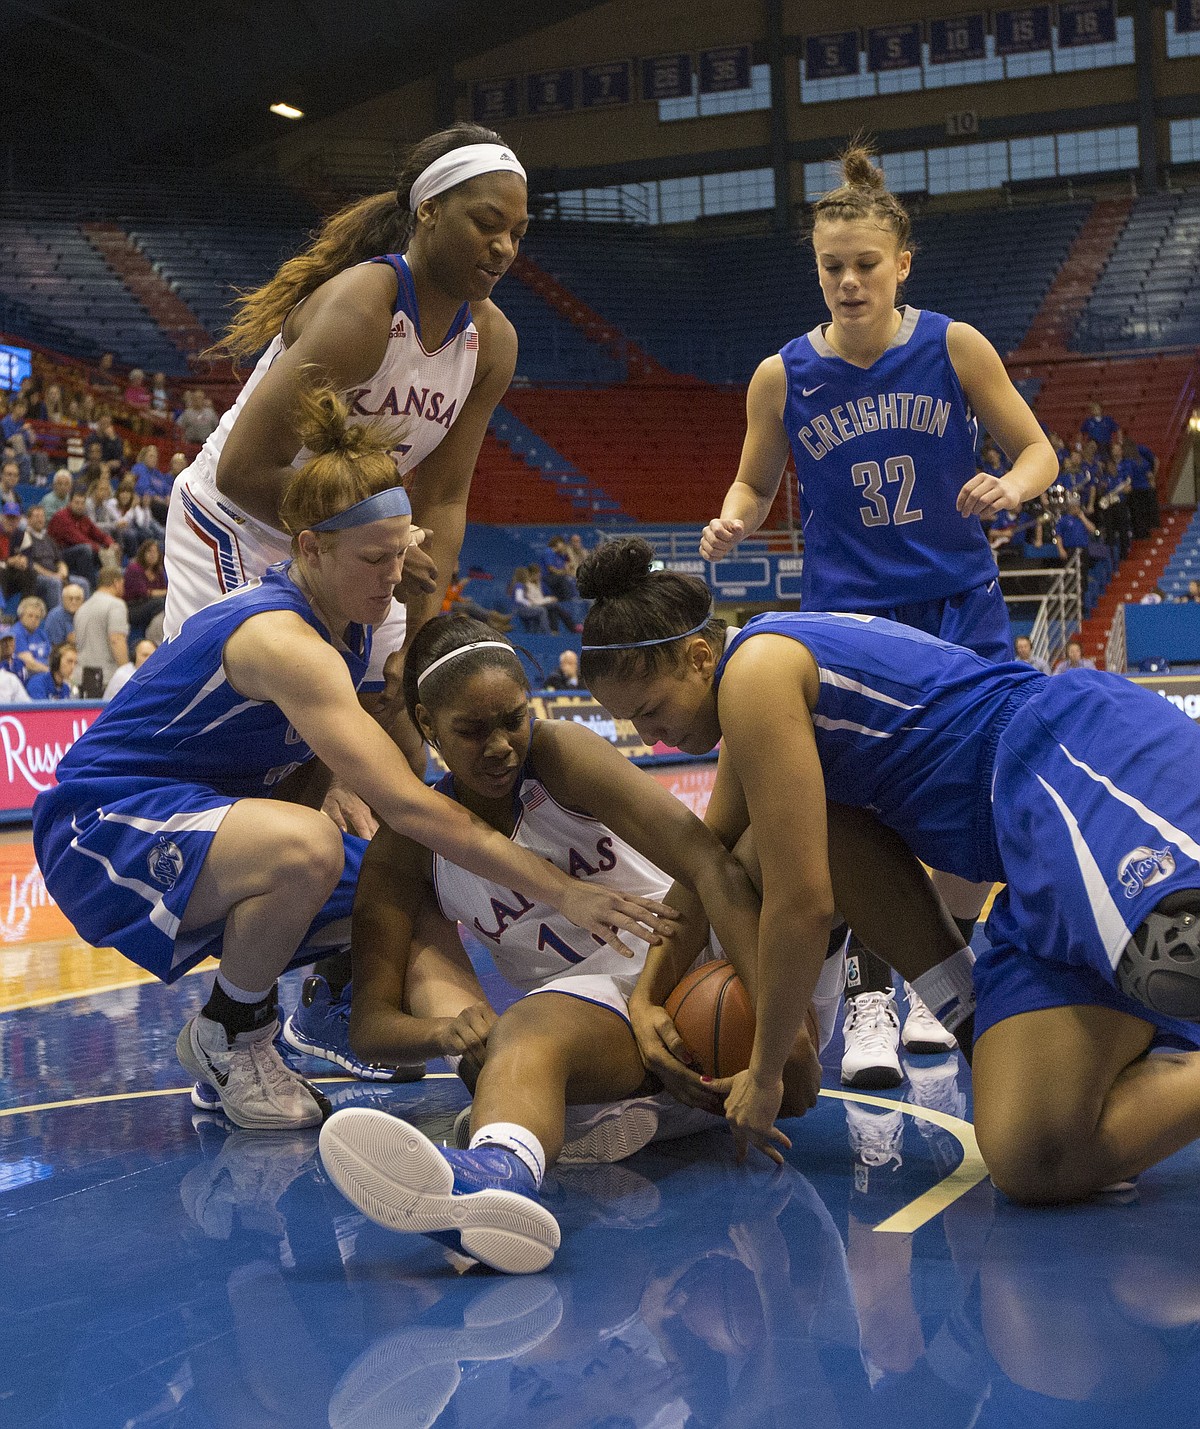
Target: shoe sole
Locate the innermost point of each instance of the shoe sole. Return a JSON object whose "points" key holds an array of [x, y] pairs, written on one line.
{"points": [[400, 1180], [873, 1079], [205, 1096], [191, 1062], [928, 1049], [364, 1071]]}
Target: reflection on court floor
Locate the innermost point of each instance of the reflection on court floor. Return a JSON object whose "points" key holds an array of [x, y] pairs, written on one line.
{"points": [[164, 1268]]}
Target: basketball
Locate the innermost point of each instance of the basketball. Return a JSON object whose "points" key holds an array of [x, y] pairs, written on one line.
{"points": [[710, 1008]]}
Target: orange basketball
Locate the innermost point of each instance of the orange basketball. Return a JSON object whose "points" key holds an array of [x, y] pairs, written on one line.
{"points": [[714, 1017]]}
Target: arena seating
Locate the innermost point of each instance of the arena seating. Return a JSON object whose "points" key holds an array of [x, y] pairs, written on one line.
{"points": [[1147, 295]]}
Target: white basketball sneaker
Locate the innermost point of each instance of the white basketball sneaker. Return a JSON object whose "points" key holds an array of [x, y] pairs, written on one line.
{"points": [[871, 1031], [923, 1033], [258, 1091]]}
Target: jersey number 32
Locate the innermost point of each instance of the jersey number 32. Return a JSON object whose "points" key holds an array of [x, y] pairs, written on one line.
{"points": [[897, 469]]}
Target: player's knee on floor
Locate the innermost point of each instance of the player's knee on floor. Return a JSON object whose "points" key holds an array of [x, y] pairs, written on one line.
{"points": [[1032, 1164], [1160, 966]]}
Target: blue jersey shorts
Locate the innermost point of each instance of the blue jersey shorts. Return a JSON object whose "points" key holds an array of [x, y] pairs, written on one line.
{"points": [[1096, 805], [976, 619], [123, 869]]}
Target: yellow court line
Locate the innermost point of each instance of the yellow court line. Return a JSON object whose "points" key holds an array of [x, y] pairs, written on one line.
{"points": [[969, 1172], [905, 1221]]}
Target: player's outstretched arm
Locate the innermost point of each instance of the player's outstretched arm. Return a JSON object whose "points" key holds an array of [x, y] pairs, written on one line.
{"points": [[764, 457], [277, 657]]}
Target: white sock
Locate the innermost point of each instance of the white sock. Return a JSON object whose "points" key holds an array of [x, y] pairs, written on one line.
{"points": [[948, 990], [517, 1139], [827, 995], [240, 994]]}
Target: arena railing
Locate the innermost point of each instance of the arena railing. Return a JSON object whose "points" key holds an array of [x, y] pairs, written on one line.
{"points": [[1056, 593], [1116, 656]]}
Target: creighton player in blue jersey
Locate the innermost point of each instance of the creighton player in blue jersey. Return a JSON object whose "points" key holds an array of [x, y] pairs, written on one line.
{"points": [[161, 837], [1077, 791], [879, 408]]}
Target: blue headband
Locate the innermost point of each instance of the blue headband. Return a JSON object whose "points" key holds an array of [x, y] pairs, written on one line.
{"points": [[662, 640], [393, 501]]}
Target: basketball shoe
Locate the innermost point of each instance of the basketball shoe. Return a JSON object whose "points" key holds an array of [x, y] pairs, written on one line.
{"points": [[320, 1026], [872, 1040], [612, 1131], [935, 1087], [482, 1203], [877, 1141], [257, 1090], [922, 1032]]}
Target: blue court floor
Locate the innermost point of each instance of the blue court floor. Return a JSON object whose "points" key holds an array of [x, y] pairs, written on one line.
{"points": [[158, 1268]]}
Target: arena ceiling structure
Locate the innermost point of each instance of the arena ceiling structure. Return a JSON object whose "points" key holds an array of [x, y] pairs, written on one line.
{"points": [[93, 88]]}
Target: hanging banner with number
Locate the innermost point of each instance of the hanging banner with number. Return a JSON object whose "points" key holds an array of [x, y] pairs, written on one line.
{"points": [[1086, 22], [961, 39], [1020, 32], [494, 99], [551, 92], [603, 85], [726, 68], [833, 56], [667, 77], [894, 47], [1187, 17]]}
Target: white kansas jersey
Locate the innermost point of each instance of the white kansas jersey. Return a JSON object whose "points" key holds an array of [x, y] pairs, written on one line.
{"points": [[532, 943]]}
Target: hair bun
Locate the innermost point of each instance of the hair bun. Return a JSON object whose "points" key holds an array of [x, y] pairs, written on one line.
{"points": [[857, 169], [614, 568]]}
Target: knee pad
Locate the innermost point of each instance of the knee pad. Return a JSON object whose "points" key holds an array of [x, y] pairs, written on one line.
{"points": [[1160, 967]]}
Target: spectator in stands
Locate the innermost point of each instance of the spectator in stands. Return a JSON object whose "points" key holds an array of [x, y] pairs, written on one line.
{"points": [[16, 423], [1139, 466], [16, 577], [55, 407], [100, 501], [14, 451], [198, 420], [8, 658], [1193, 592], [566, 677], [1111, 511], [106, 378], [457, 603], [32, 647], [1073, 531], [1098, 425], [102, 634], [556, 577], [10, 479], [79, 538], [538, 599], [137, 394], [40, 549], [59, 494], [176, 465], [1074, 659], [132, 523], [111, 445], [575, 552], [12, 688], [1023, 651], [153, 486], [145, 585], [56, 683], [141, 653], [60, 623], [533, 616], [160, 398]]}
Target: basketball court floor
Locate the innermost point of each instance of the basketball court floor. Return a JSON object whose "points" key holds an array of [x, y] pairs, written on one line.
{"points": [[160, 1268]]}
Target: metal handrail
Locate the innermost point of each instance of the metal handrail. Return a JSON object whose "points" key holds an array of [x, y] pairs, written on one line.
{"points": [[1059, 603], [1116, 654]]}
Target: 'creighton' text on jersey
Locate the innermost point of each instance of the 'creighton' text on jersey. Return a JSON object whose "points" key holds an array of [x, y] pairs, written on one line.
{"points": [[179, 718], [881, 455]]}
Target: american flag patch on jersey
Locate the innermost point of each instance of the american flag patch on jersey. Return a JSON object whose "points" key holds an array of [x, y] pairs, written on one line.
{"points": [[534, 797], [472, 341]]}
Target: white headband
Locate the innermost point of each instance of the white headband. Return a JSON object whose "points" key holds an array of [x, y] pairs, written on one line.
{"points": [[459, 165], [464, 650]]}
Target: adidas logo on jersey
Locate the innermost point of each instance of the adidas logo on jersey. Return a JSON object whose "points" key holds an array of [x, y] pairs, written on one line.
{"points": [[398, 329]]}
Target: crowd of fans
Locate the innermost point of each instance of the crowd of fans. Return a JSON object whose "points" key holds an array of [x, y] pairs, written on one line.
{"points": [[83, 505]]}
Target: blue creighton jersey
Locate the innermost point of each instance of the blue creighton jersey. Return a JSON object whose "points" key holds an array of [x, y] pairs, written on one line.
{"points": [[882, 454], [181, 720], [907, 726]]}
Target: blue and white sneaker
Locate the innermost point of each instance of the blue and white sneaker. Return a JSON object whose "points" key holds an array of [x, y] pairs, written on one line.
{"points": [[320, 1026], [482, 1203]]}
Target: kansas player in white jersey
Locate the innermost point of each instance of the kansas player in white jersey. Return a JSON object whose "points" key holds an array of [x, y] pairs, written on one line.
{"points": [[1076, 791], [879, 408], [414, 337], [161, 837], [565, 794]]}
